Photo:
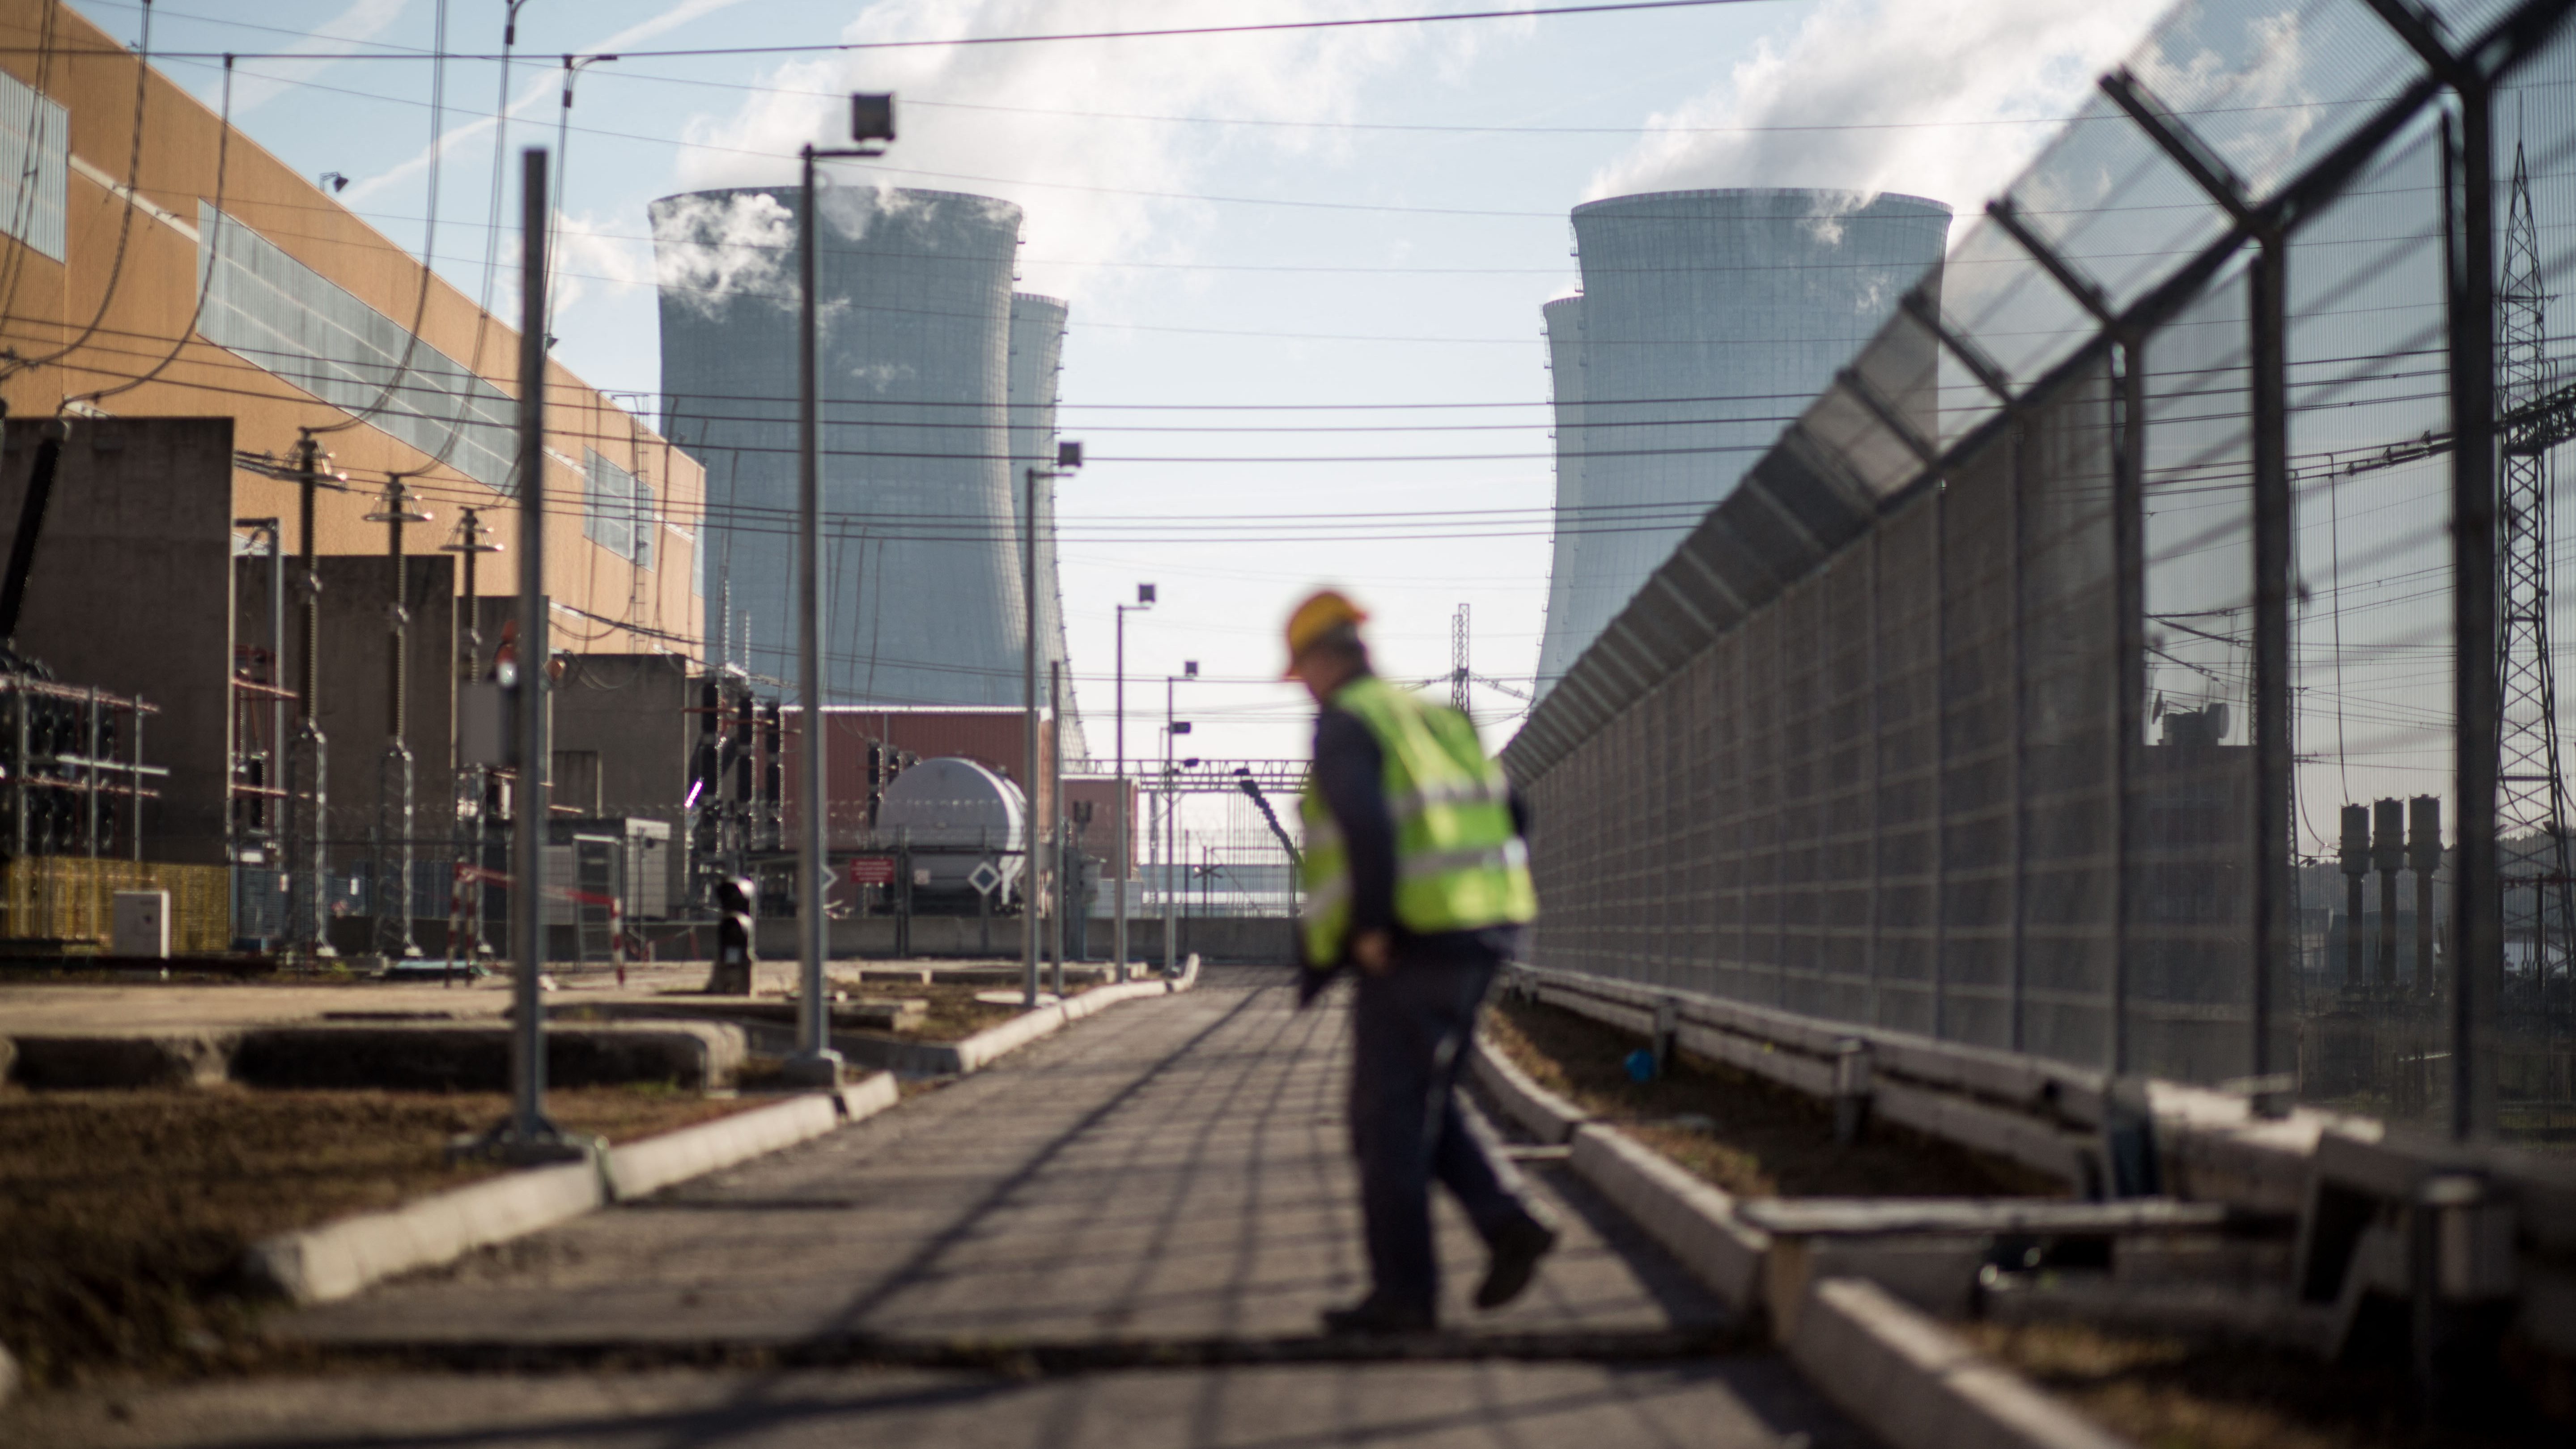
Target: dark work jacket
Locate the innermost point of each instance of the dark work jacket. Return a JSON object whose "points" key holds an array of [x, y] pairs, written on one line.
{"points": [[1350, 771]]}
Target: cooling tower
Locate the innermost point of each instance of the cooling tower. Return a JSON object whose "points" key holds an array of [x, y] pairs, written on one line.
{"points": [[1564, 318], [1708, 320], [1037, 356], [920, 574]]}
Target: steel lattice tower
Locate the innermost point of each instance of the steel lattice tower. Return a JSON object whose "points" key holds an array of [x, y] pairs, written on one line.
{"points": [[1458, 659], [2531, 788]]}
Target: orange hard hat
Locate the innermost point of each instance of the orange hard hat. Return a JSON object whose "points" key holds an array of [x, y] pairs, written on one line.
{"points": [[1323, 612]]}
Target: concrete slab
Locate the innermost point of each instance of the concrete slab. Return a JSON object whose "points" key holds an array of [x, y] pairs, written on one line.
{"points": [[1749, 1403], [122, 1059], [1175, 1170]]}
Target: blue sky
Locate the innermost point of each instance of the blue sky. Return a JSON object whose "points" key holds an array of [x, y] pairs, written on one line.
{"points": [[1156, 175]]}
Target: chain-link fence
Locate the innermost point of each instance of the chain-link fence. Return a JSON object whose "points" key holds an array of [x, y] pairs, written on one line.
{"points": [[2016, 694]]}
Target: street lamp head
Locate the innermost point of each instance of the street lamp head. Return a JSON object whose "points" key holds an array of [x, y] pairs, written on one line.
{"points": [[871, 116]]}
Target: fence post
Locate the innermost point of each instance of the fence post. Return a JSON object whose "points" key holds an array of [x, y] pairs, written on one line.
{"points": [[2128, 498], [2273, 761], [2477, 906]]}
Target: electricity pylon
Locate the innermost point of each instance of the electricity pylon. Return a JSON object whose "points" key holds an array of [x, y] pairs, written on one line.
{"points": [[2531, 787]]}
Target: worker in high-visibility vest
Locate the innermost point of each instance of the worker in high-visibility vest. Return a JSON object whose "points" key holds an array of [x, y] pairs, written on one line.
{"points": [[1414, 872]]}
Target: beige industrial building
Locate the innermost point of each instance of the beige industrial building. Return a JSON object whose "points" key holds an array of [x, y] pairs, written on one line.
{"points": [[307, 318]]}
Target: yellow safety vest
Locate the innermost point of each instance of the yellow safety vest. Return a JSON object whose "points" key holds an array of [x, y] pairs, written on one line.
{"points": [[1459, 866]]}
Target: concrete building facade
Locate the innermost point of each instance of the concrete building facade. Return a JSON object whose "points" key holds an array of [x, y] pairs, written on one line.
{"points": [[921, 576], [306, 323], [1706, 320], [174, 393]]}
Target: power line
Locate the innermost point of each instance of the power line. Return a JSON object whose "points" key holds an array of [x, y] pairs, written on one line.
{"points": [[824, 47], [125, 216], [2079, 118], [429, 235]]}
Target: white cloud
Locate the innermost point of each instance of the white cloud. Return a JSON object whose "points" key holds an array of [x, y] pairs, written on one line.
{"points": [[364, 20], [546, 84], [590, 252], [716, 247], [1896, 62], [1302, 76]]}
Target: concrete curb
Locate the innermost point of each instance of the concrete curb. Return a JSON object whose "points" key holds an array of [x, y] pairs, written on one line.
{"points": [[865, 1099], [342, 1258], [989, 1046], [639, 1169], [1916, 1385], [1541, 1113], [339, 1259], [1694, 1221]]}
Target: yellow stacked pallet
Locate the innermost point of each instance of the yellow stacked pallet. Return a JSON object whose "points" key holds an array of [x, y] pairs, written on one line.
{"points": [[72, 900]]}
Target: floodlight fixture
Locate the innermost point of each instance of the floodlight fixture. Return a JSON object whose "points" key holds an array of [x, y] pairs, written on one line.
{"points": [[871, 116]]}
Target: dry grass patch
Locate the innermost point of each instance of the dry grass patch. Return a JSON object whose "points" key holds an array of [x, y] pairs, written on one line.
{"points": [[1759, 1140], [123, 1215], [2167, 1393]]}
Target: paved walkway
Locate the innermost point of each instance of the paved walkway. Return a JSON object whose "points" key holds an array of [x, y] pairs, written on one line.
{"points": [[1119, 1236]]}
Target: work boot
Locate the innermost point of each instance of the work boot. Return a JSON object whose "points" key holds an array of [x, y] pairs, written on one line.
{"points": [[1374, 1317], [1516, 1251]]}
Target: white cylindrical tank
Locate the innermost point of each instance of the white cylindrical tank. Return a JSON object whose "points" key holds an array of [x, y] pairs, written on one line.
{"points": [[956, 814]]}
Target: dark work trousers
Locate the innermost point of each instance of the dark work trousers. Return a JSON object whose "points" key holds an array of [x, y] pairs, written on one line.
{"points": [[1412, 1028]]}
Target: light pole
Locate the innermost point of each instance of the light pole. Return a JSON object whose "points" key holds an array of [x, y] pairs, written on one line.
{"points": [[815, 1063], [1055, 822], [1172, 730], [528, 1135], [1126, 836], [1068, 456], [572, 65]]}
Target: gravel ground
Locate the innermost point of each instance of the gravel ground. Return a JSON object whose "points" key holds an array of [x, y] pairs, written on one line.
{"points": [[1745, 1135], [123, 1215], [2170, 1393]]}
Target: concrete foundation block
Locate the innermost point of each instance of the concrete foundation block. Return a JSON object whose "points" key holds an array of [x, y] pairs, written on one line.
{"points": [[1545, 1116], [138, 1059], [1916, 1385], [694, 1055], [1936, 1275], [1694, 1221]]}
